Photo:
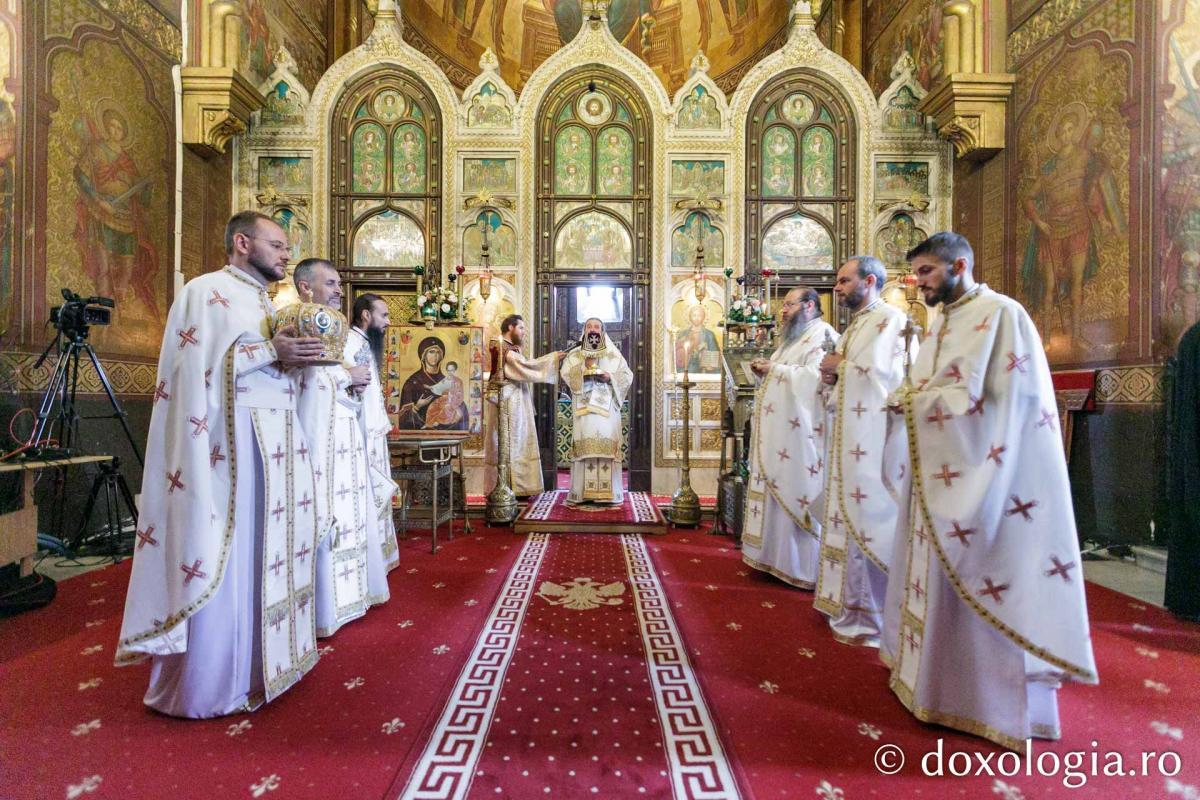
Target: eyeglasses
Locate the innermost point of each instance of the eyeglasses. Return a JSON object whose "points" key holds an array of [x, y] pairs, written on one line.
{"points": [[278, 245]]}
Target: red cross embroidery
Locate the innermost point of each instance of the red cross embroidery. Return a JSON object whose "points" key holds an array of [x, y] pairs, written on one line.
{"points": [[215, 456], [920, 532], [1020, 508], [783, 454], [187, 337], [303, 552], [983, 326], [290, 391], [912, 640], [993, 590], [858, 495], [858, 452], [813, 469], [278, 454], [342, 451], [1060, 569], [304, 607], [819, 429], [947, 476], [794, 422], [277, 565], [954, 372], [216, 298], [779, 378], [882, 325], [305, 503], [208, 378], [976, 405], [1016, 362], [939, 417], [769, 409], [176, 483], [804, 502], [346, 572], [859, 409], [201, 424], [248, 350], [994, 453], [754, 511], [1048, 418], [837, 520], [278, 511], [146, 537], [342, 492], [918, 590], [192, 572], [961, 533], [303, 451], [277, 623], [160, 392], [317, 473]]}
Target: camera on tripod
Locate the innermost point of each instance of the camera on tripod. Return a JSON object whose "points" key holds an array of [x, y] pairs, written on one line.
{"points": [[77, 314]]}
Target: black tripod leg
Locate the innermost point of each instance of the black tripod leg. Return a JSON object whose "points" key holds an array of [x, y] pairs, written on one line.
{"points": [[87, 510], [128, 495], [116, 404]]}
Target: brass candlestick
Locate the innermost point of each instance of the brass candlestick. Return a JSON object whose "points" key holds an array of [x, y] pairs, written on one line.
{"points": [[501, 506], [685, 504]]}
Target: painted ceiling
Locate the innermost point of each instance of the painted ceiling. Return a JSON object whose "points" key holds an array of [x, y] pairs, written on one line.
{"points": [[666, 34]]}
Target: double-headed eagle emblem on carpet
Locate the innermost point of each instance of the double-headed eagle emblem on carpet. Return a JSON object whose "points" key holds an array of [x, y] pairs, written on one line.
{"points": [[582, 594]]}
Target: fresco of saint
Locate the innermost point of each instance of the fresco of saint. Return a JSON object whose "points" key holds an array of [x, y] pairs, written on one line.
{"points": [[115, 247]]}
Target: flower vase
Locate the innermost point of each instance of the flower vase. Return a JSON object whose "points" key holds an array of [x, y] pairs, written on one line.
{"points": [[429, 311]]}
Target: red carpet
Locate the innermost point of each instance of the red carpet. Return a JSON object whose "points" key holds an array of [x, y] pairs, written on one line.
{"points": [[797, 715], [550, 511]]}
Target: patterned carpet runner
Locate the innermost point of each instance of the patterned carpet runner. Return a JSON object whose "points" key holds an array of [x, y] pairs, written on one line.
{"points": [[580, 668], [550, 512]]}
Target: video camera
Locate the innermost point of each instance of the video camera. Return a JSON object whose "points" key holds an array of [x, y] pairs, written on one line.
{"points": [[77, 314]]}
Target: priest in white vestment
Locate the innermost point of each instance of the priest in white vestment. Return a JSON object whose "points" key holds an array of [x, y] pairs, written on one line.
{"points": [[599, 379], [369, 319], [220, 596], [516, 398], [860, 509], [784, 498], [985, 612], [347, 523]]}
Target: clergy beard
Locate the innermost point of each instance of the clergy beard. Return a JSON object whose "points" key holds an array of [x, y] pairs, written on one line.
{"points": [[375, 341], [792, 329]]}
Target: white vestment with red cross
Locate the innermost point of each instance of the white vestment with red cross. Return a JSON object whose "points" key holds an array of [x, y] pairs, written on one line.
{"points": [[784, 497], [860, 507], [376, 426], [985, 613], [224, 491], [347, 520]]}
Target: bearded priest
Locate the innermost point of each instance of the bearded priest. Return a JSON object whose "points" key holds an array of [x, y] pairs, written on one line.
{"points": [[787, 447], [516, 397], [599, 379], [985, 613], [220, 596], [860, 510], [348, 527]]}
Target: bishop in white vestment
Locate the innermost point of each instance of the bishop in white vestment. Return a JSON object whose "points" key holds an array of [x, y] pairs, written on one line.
{"points": [[860, 507], [347, 521], [516, 397], [787, 448], [599, 379], [364, 347], [985, 611], [220, 596]]}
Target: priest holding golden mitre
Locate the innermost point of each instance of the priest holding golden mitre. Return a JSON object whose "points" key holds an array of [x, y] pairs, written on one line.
{"points": [[221, 594], [515, 374], [599, 379], [985, 613]]}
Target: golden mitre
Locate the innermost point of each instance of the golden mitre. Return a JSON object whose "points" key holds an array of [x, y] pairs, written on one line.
{"points": [[318, 322]]}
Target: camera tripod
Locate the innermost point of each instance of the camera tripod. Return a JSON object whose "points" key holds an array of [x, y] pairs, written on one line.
{"points": [[72, 345]]}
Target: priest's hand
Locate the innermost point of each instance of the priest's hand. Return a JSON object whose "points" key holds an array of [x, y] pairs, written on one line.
{"points": [[603, 377], [296, 351], [760, 366], [829, 368], [360, 376], [560, 355]]}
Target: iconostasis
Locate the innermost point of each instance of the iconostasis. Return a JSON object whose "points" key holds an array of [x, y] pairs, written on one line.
{"points": [[386, 168]]}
